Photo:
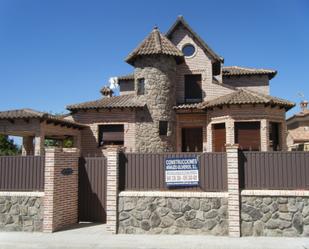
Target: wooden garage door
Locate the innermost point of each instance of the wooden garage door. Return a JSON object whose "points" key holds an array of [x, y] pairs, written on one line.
{"points": [[247, 135], [219, 137]]}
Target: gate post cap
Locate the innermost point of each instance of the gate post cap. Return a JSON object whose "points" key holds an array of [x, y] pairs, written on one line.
{"points": [[232, 146]]}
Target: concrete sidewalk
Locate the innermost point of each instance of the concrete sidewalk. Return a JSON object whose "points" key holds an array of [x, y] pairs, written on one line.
{"points": [[95, 237]]}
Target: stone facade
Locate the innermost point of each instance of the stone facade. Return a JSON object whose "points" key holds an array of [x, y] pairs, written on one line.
{"points": [[274, 216], [169, 215], [159, 75], [21, 213]]}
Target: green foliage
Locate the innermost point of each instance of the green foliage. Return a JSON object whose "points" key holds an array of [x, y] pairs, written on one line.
{"points": [[67, 143], [7, 146]]}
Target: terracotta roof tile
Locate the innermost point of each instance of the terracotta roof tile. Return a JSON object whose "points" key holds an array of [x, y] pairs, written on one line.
{"points": [[30, 113], [123, 101], [236, 71], [156, 43], [126, 77], [239, 97], [299, 135], [243, 96], [189, 106]]}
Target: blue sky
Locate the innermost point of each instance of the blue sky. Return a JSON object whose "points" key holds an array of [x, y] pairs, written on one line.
{"points": [[54, 53]]}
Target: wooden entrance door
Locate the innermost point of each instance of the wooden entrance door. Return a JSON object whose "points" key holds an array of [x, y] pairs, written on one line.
{"points": [[92, 189], [219, 137], [192, 139]]}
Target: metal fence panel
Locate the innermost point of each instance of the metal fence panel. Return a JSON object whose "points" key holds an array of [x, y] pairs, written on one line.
{"points": [[145, 171], [22, 173], [274, 170]]}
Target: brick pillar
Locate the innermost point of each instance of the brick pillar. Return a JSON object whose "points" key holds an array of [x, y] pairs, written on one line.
{"points": [[282, 138], [233, 190], [264, 135], [61, 188], [209, 137], [77, 141], [112, 190], [230, 131]]}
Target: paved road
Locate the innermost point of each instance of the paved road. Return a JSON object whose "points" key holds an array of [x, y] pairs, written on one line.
{"points": [[95, 237]]}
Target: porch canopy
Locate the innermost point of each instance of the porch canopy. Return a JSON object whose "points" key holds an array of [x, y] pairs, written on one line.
{"points": [[35, 126]]}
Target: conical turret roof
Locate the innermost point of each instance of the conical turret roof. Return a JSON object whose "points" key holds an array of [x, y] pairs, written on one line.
{"points": [[155, 44]]}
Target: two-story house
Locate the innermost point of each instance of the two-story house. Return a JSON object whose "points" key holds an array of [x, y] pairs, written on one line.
{"points": [[181, 97]]}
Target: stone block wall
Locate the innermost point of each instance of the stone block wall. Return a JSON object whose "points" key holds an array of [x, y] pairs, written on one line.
{"points": [[173, 215], [21, 213], [275, 216]]}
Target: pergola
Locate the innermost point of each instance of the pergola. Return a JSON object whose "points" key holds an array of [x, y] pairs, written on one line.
{"points": [[34, 127]]}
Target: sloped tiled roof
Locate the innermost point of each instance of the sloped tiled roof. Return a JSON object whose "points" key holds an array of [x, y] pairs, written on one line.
{"points": [[298, 116], [123, 101], [30, 113], [190, 106], [239, 97], [156, 43], [181, 21], [243, 96], [299, 135], [236, 71]]}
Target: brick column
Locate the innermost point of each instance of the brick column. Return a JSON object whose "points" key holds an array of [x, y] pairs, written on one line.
{"points": [[264, 135], [282, 139], [230, 131], [61, 188], [233, 190], [112, 190], [209, 137]]}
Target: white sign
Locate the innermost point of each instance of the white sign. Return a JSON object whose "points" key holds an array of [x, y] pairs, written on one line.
{"points": [[181, 172]]}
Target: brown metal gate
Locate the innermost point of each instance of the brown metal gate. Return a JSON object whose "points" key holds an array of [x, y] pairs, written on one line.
{"points": [[92, 189]]}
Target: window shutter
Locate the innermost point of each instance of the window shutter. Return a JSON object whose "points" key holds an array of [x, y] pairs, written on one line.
{"points": [[247, 135]]}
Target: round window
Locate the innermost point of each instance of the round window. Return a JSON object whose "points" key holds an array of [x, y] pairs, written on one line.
{"points": [[188, 50]]}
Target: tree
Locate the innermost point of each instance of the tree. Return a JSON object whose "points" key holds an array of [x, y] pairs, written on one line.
{"points": [[7, 146]]}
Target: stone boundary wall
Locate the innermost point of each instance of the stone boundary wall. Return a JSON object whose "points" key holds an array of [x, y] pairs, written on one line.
{"points": [[274, 213], [21, 211], [173, 213]]}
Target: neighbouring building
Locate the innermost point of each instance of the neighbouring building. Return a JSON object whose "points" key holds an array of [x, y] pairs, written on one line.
{"points": [[298, 129], [179, 97]]}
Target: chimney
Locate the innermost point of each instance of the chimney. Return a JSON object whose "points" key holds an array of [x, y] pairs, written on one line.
{"points": [[303, 105], [107, 92]]}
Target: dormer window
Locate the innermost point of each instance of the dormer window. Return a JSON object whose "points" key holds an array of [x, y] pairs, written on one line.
{"points": [[141, 86], [193, 88], [188, 50]]}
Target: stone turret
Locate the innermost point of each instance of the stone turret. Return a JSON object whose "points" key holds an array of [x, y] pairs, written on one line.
{"points": [[155, 63]]}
